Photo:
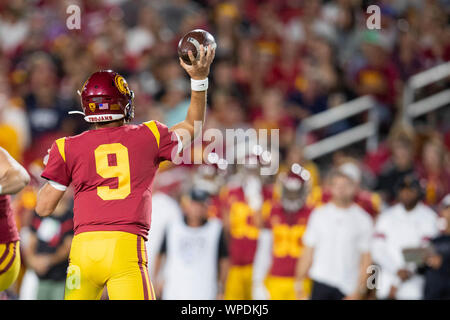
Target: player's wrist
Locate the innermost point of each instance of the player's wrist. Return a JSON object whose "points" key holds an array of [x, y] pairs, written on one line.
{"points": [[298, 284], [199, 84], [52, 260], [299, 278], [1, 189]]}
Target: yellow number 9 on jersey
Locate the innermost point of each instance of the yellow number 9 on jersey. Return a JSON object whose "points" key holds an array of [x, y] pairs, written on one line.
{"points": [[121, 170]]}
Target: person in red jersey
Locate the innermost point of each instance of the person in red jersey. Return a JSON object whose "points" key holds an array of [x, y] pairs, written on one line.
{"points": [[242, 220], [13, 178], [284, 225], [111, 169]]}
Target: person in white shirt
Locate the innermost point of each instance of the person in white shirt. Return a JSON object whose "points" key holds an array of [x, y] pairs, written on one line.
{"points": [[408, 224], [195, 254], [337, 242], [165, 210]]}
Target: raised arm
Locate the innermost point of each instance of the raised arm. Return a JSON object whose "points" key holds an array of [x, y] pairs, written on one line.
{"points": [[13, 177], [198, 71], [261, 264]]}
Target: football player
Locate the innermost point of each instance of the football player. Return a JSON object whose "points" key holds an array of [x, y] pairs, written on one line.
{"points": [[284, 224], [210, 178], [111, 169], [242, 219], [13, 178]]}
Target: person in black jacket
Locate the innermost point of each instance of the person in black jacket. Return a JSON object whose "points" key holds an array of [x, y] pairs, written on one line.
{"points": [[400, 165], [437, 275], [48, 249]]}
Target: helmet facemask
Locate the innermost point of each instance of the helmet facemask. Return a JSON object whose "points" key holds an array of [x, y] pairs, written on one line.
{"points": [[293, 194], [129, 108]]}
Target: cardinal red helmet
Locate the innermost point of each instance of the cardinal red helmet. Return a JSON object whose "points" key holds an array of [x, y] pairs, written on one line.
{"points": [[295, 189], [105, 96]]}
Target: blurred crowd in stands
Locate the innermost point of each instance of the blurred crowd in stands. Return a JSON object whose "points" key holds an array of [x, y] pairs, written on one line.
{"points": [[277, 63]]}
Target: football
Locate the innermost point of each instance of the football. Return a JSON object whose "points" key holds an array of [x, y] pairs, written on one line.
{"points": [[192, 41]]}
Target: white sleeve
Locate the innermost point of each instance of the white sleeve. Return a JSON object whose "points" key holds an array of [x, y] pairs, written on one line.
{"points": [[263, 255], [311, 235], [386, 256], [432, 229], [57, 185], [261, 265], [382, 252]]}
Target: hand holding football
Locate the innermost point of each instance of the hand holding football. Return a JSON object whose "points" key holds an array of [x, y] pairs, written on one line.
{"points": [[196, 50], [192, 41]]}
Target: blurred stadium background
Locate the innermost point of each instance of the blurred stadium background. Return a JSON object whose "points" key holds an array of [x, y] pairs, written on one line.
{"points": [[337, 91]]}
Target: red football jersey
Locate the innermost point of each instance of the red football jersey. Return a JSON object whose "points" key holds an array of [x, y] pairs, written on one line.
{"points": [[243, 230], [287, 229], [111, 171], [8, 228]]}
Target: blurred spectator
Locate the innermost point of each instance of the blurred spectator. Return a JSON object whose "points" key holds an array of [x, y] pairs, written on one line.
{"points": [[165, 211], [434, 172], [309, 96], [343, 16], [196, 254], [145, 34], [226, 112], [48, 248], [175, 12], [9, 138], [437, 276], [14, 26], [224, 79], [273, 115], [226, 29], [400, 165], [174, 104], [14, 131], [407, 55], [46, 111], [433, 33], [379, 75], [337, 244], [285, 71], [408, 224]]}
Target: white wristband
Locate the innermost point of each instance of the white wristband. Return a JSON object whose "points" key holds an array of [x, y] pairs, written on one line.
{"points": [[1, 189], [199, 85]]}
